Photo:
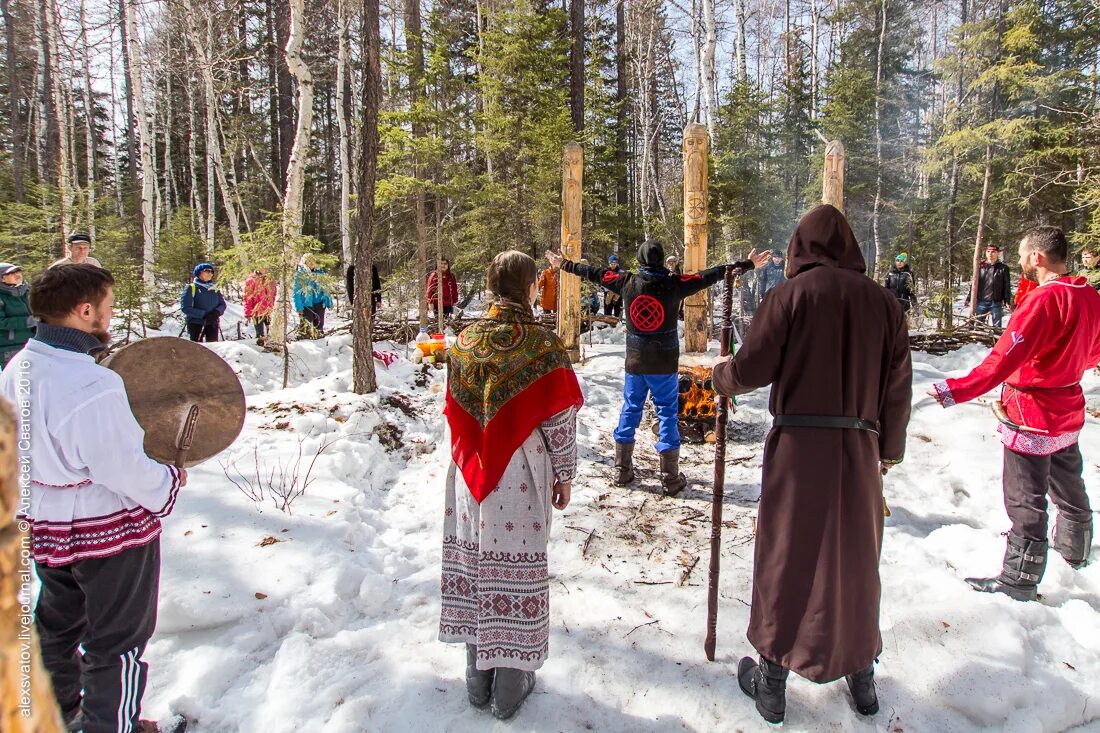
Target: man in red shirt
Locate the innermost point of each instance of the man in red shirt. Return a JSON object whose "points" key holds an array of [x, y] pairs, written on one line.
{"points": [[1049, 344]]}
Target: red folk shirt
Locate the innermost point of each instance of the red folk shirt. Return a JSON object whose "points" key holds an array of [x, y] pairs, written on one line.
{"points": [[1051, 340], [1025, 287]]}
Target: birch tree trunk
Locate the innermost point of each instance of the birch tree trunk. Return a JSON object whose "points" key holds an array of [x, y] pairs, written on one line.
{"points": [[51, 18], [215, 165], [148, 175], [117, 167], [295, 179], [710, 77], [89, 122], [739, 44], [342, 123]]}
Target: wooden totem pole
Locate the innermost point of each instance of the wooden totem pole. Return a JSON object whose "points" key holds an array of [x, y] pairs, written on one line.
{"points": [[696, 318], [569, 286], [833, 179], [26, 696]]}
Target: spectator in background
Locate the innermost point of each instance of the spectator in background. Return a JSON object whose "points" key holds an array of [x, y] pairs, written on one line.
{"points": [[899, 281], [16, 322], [311, 298], [994, 286], [259, 301], [375, 289], [80, 244], [449, 293], [1091, 269], [590, 297], [202, 305], [612, 301], [770, 275], [548, 289]]}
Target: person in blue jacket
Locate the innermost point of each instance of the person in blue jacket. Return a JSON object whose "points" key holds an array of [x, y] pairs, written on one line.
{"points": [[311, 298], [202, 304]]}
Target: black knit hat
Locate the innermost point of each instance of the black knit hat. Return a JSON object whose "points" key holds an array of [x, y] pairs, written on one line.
{"points": [[79, 237], [651, 253]]}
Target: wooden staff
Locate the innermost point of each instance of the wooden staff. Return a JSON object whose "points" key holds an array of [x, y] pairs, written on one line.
{"points": [[720, 420], [569, 286], [22, 710], [696, 318]]}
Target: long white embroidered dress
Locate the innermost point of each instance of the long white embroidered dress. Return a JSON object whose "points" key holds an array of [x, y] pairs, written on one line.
{"points": [[495, 585]]}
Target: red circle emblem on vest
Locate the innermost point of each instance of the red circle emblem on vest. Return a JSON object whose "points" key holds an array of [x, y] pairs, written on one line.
{"points": [[647, 313]]}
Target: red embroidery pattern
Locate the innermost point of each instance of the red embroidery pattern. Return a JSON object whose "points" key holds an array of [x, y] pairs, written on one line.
{"points": [[60, 543], [647, 313]]}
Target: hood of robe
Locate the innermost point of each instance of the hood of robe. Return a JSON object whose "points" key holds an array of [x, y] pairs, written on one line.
{"points": [[823, 238]]}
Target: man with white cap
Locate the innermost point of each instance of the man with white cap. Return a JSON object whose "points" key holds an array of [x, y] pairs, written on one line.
{"points": [[80, 244]]}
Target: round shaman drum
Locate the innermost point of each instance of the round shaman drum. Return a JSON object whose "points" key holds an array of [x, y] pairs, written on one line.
{"points": [[186, 398]]}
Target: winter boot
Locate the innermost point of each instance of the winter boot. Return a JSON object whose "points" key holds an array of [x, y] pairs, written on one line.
{"points": [[1073, 540], [862, 687], [479, 682], [624, 463], [510, 688], [672, 481], [767, 684], [1023, 567]]}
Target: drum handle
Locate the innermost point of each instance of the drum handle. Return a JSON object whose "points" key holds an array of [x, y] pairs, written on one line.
{"points": [[187, 434]]}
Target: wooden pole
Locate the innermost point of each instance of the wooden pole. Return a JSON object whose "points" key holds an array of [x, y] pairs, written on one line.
{"points": [[569, 286], [833, 180], [27, 703], [696, 147], [721, 418]]}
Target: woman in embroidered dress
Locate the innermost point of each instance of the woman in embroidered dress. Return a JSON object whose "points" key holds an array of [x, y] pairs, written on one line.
{"points": [[512, 399]]}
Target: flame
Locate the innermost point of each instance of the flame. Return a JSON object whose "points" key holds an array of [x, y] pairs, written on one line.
{"points": [[696, 394]]}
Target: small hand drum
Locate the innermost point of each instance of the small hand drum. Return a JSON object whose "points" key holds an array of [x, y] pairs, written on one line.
{"points": [[186, 398]]}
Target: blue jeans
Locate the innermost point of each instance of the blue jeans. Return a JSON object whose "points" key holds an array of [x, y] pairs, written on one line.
{"points": [[666, 397], [994, 309]]}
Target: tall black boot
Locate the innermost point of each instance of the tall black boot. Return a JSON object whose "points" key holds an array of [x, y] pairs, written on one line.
{"points": [[1073, 540], [766, 683], [672, 481], [1024, 564], [862, 686], [624, 463], [510, 688], [479, 682]]}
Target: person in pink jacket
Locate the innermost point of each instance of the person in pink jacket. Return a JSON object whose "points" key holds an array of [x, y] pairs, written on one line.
{"points": [[259, 302]]}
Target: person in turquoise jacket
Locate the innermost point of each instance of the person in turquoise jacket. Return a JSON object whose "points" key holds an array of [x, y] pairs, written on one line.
{"points": [[16, 322], [311, 298]]}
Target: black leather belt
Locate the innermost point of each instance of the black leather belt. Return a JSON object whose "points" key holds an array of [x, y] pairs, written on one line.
{"points": [[824, 421]]}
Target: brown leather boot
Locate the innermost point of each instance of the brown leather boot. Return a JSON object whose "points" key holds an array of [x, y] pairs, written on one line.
{"points": [[672, 481], [624, 463]]}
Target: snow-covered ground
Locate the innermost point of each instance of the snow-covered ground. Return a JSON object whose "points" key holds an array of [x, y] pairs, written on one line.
{"points": [[323, 618]]}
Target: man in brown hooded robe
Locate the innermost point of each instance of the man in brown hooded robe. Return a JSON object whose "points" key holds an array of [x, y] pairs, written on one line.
{"points": [[833, 343]]}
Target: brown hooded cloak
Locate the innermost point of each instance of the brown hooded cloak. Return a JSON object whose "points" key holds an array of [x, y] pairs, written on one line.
{"points": [[832, 342]]}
